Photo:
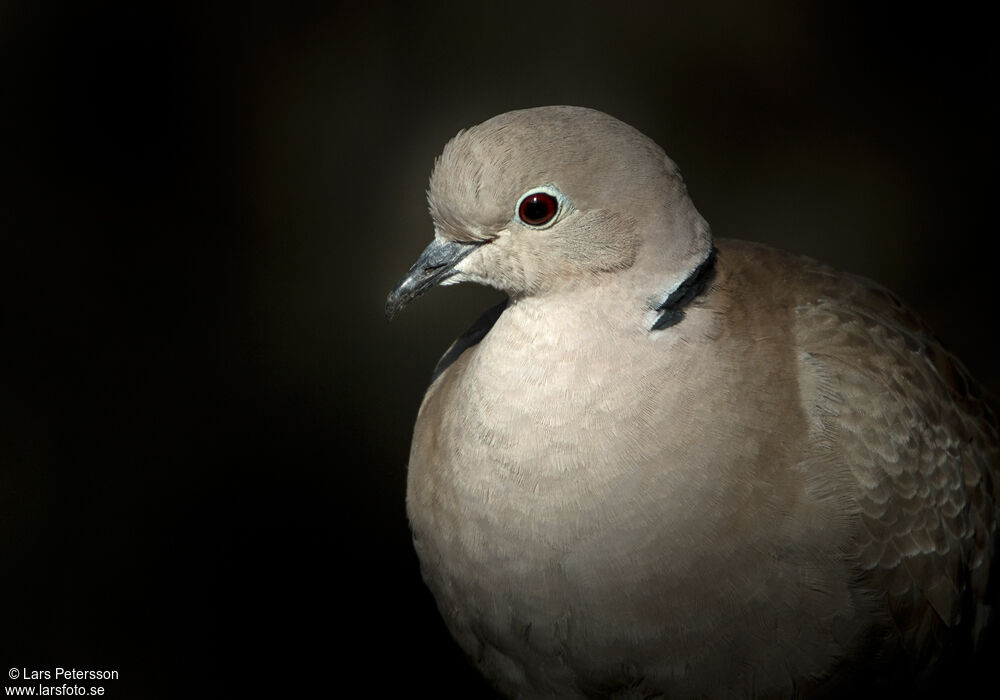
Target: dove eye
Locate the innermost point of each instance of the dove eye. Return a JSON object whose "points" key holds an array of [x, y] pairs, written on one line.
{"points": [[537, 208]]}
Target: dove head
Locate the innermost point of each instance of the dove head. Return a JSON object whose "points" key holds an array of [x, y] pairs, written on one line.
{"points": [[545, 199]]}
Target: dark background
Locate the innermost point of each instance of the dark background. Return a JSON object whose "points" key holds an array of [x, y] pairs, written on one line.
{"points": [[204, 416]]}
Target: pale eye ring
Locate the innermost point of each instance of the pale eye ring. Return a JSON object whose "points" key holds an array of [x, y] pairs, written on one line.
{"points": [[540, 207]]}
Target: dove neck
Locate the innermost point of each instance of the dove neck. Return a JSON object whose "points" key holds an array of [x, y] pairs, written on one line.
{"points": [[693, 286]]}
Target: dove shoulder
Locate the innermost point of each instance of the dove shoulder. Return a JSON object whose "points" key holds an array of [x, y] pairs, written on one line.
{"points": [[900, 419]]}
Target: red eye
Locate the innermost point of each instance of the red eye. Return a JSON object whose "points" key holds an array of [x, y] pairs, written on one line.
{"points": [[538, 208]]}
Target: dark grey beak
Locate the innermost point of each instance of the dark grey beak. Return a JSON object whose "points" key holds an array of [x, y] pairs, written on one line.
{"points": [[435, 264]]}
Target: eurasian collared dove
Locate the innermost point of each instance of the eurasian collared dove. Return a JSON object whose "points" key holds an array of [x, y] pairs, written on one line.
{"points": [[667, 467]]}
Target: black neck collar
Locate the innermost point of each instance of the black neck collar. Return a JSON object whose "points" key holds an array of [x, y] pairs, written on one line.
{"points": [[672, 310]]}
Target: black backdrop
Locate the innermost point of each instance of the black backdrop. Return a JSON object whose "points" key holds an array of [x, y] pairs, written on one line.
{"points": [[204, 417]]}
